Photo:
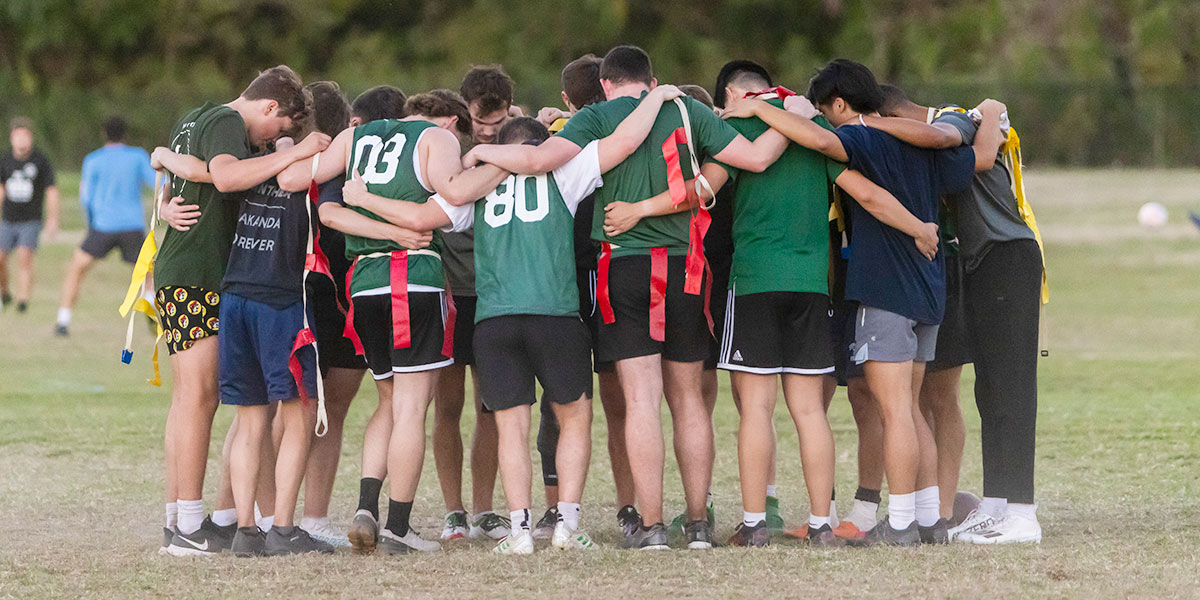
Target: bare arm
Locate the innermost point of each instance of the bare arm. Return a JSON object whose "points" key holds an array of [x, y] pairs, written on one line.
{"points": [[620, 217], [295, 177], [443, 170], [52, 211], [935, 136], [633, 129], [885, 207], [347, 221], [797, 128], [523, 159], [232, 175], [185, 166], [410, 215], [989, 137], [754, 156]]}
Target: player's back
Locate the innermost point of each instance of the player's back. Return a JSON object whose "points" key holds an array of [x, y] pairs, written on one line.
{"points": [[114, 176]]}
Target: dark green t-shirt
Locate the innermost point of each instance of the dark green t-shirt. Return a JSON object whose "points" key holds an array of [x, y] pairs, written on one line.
{"points": [[780, 218], [643, 174], [385, 153], [198, 256]]}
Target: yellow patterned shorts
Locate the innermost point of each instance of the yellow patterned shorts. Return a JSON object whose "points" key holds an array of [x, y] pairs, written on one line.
{"points": [[187, 314]]}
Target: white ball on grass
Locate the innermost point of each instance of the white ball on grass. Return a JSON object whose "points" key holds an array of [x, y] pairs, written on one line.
{"points": [[1152, 214]]}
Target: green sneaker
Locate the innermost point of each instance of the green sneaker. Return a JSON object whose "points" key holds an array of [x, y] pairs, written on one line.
{"points": [[775, 523], [679, 521]]}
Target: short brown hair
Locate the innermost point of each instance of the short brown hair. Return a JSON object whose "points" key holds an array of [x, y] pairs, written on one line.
{"points": [[491, 86], [441, 103], [20, 123], [282, 85], [697, 93], [627, 64], [330, 110], [581, 81]]}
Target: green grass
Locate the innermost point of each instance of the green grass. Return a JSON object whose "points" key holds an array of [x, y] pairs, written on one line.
{"points": [[1118, 454]]}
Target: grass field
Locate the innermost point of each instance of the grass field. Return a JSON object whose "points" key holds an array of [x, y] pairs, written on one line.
{"points": [[1118, 454]]}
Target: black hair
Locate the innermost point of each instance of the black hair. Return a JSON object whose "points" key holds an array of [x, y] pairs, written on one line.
{"points": [[627, 64], [894, 99], [379, 102], [331, 112], [735, 72], [114, 129], [852, 82], [523, 130]]}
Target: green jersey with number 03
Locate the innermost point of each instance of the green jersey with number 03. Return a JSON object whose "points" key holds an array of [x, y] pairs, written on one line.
{"points": [[525, 240], [385, 155]]}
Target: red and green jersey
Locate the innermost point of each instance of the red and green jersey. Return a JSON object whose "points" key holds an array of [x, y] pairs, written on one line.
{"points": [[643, 174], [524, 240], [781, 218], [385, 155]]}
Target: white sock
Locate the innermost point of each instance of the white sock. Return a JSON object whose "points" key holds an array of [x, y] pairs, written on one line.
{"points": [[902, 509], [773, 490], [265, 523], [520, 519], [709, 500], [191, 515], [311, 524], [815, 522], [569, 512], [64, 316], [863, 514], [224, 518], [257, 513], [833, 516], [928, 506], [750, 519], [1028, 511], [993, 507], [172, 515]]}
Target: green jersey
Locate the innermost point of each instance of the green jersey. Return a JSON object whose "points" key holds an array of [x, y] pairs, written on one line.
{"points": [[198, 256], [643, 174], [781, 218], [384, 153], [525, 240]]}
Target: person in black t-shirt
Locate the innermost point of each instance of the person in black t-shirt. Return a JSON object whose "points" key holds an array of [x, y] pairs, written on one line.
{"points": [[27, 195]]}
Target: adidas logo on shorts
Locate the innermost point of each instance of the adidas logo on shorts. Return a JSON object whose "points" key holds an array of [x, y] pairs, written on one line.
{"points": [[737, 355]]}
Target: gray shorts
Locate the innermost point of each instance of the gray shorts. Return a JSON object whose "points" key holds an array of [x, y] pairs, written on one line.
{"points": [[885, 336], [19, 235]]}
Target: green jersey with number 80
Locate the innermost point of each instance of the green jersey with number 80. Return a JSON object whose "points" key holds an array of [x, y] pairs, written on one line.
{"points": [[385, 155], [525, 240]]}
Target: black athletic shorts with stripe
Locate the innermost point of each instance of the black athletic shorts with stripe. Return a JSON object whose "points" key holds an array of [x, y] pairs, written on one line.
{"points": [[777, 332], [427, 312]]}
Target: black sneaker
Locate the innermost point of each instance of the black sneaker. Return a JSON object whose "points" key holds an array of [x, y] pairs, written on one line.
{"points": [[60, 330], [653, 537], [544, 529], [22, 307], [822, 537], [5, 299], [699, 535], [363, 533], [629, 520], [293, 540], [249, 541], [753, 537], [883, 535], [209, 539], [938, 533], [168, 533]]}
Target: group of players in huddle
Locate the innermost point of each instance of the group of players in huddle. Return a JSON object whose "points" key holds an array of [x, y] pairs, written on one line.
{"points": [[641, 234]]}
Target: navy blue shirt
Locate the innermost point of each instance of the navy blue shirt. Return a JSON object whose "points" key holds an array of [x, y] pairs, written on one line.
{"points": [[267, 261], [886, 270], [333, 244]]}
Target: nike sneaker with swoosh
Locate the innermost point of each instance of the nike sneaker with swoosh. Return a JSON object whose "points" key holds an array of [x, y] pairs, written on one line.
{"points": [[208, 540], [249, 541], [392, 544], [491, 525], [544, 529], [168, 534], [293, 540]]}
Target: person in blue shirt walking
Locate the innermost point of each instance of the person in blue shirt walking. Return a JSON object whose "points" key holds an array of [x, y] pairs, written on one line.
{"points": [[110, 191]]}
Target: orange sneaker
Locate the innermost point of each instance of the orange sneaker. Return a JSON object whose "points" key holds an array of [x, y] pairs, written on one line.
{"points": [[848, 531], [799, 533]]}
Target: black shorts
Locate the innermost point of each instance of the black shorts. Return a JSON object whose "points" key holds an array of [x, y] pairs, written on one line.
{"points": [[953, 343], [514, 350], [686, 334], [188, 314], [427, 321], [777, 332], [98, 244], [589, 311], [464, 330], [841, 342], [718, 298], [334, 349]]}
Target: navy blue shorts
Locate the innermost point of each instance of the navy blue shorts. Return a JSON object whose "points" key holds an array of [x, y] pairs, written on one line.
{"points": [[255, 344]]}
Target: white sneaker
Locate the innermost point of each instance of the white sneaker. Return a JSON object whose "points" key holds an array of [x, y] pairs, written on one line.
{"points": [[489, 524], [412, 540], [323, 530], [455, 527], [1010, 529], [519, 541], [565, 539], [975, 522]]}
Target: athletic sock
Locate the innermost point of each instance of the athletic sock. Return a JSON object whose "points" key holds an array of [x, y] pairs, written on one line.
{"points": [[520, 519], [993, 507], [868, 495], [311, 524], [569, 513], [815, 522], [224, 518], [172, 515], [191, 515], [928, 506], [863, 514], [265, 523], [750, 519], [398, 513], [368, 495], [708, 502], [833, 516], [902, 510], [773, 490], [64, 316], [1028, 511]]}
